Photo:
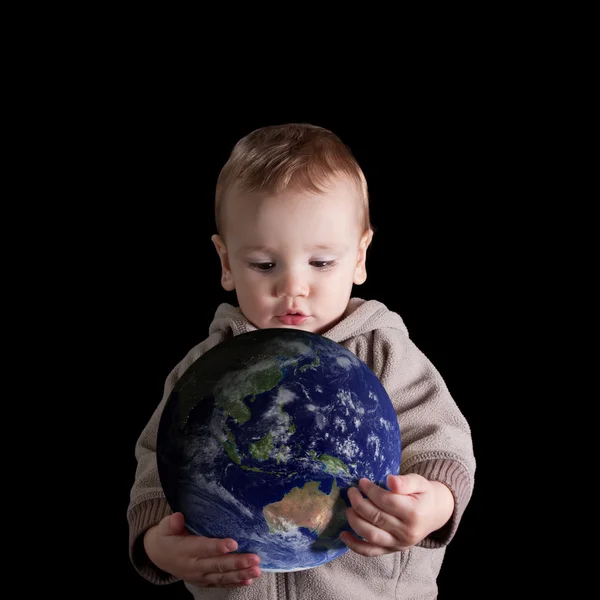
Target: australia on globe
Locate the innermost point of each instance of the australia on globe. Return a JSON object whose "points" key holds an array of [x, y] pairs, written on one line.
{"points": [[262, 437]]}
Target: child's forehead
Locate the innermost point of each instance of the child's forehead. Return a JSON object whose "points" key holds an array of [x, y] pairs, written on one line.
{"points": [[325, 219], [337, 211]]}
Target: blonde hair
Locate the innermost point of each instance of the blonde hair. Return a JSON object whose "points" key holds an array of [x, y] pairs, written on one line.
{"points": [[299, 155]]}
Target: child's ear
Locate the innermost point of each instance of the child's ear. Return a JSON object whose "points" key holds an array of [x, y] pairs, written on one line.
{"points": [[360, 273], [226, 274]]}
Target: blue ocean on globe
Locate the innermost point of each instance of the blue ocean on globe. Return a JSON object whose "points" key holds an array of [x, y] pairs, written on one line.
{"points": [[263, 435]]}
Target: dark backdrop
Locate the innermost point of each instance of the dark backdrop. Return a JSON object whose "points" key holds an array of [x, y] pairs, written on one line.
{"points": [[438, 192]]}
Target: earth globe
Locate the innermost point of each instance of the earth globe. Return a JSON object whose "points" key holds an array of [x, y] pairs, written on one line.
{"points": [[262, 437]]}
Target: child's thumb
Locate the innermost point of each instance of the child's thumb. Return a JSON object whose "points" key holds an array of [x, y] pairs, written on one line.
{"points": [[406, 484], [174, 524], [393, 483]]}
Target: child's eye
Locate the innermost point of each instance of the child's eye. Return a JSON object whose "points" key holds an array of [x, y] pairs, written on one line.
{"points": [[262, 266], [322, 264]]}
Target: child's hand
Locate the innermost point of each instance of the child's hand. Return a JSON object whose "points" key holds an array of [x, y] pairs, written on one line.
{"points": [[397, 519], [198, 560]]}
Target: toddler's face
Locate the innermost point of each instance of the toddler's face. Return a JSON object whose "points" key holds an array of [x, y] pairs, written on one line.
{"points": [[292, 257]]}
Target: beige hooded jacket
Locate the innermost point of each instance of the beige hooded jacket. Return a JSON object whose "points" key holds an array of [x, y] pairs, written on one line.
{"points": [[436, 443]]}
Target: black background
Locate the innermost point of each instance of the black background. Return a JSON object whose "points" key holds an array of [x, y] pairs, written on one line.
{"points": [[473, 134], [146, 160], [433, 260]]}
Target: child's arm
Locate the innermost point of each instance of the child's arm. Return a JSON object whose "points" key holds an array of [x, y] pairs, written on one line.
{"points": [[436, 438], [148, 505]]}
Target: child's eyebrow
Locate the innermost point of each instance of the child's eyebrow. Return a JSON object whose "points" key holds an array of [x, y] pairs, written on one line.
{"points": [[250, 248], [324, 247]]}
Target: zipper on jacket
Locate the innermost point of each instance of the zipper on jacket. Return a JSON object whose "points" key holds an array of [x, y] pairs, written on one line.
{"points": [[281, 587]]}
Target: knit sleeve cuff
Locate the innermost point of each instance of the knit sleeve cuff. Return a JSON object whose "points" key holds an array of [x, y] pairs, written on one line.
{"points": [[141, 518], [454, 476]]}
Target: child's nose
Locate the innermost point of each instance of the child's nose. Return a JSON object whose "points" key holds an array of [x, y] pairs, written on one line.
{"points": [[292, 283]]}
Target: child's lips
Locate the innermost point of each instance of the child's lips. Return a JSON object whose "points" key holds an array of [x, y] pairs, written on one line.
{"points": [[293, 318]]}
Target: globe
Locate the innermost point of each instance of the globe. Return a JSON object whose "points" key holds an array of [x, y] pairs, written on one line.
{"points": [[262, 437]]}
